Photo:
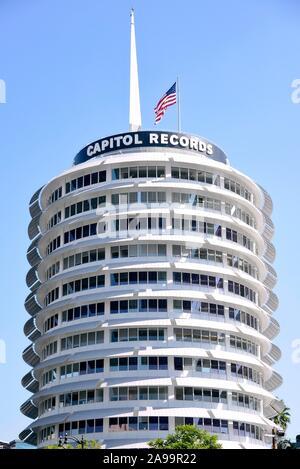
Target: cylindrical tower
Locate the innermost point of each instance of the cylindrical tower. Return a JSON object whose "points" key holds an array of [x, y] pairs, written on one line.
{"points": [[151, 297]]}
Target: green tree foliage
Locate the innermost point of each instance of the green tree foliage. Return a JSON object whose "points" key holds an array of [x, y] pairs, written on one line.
{"points": [[283, 418], [187, 437], [88, 444]]}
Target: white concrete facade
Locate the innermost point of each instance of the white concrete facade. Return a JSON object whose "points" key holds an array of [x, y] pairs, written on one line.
{"points": [[155, 306]]}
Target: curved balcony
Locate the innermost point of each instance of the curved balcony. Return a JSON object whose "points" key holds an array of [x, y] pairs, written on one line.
{"points": [[33, 255], [30, 383], [31, 305], [29, 409], [32, 278], [272, 330], [271, 277], [33, 227], [30, 356], [268, 204], [270, 252], [34, 206], [31, 331]]}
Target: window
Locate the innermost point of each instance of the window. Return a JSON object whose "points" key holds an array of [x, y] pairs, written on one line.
{"points": [[134, 306], [82, 340], [125, 278], [238, 189], [194, 175], [198, 335], [138, 172], [87, 180], [125, 335], [196, 279], [196, 201], [117, 424], [83, 284]]}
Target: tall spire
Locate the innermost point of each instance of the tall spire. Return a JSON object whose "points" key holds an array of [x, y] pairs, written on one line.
{"points": [[135, 120]]}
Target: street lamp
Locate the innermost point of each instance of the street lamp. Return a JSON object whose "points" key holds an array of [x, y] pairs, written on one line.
{"points": [[80, 442]]}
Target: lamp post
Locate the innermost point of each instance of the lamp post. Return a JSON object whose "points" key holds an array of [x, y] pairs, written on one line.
{"points": [[80, 442]]}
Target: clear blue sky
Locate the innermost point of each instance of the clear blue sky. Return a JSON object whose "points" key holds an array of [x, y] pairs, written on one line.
{"points": [[66, 63]]}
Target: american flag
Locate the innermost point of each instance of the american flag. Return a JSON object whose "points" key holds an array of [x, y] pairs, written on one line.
{"points": [[167, 100]]}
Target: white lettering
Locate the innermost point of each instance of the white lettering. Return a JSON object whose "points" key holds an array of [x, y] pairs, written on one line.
{"points": [[153, 138], [164, 139], [194, 144], [118, 140], [174, 139], [184, 141], [127, 140], [104, 144], [202, 146], [137, 141], [209, 149], [90, 150]]}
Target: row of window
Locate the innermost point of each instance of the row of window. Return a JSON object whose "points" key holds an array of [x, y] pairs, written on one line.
{"points": [[194, 175], [53, 245], [196, 200], [54, 220], [81, 232], [85, 206], [82, 368], [143, 393], [139, 250], [151, 277], [86, 396], [74, 428], [215, 368], [72, 314], [149, 172], [221, 426], [182, 224], [83, 311], [236, 187], [89, 283], [211, 255], [57, 194], [135, 306], [239, 213], [133, 172], [86, 180], [242, 290], [138, 223], [197, 279], [199, 335], [119, 424], [241, 264], [49, 349], [126, 198], [150, 305], [243, 344], [52, 270], [94, 255], [82, 340], [129, 278], [151, 334], [233, 235], [51, 322]]}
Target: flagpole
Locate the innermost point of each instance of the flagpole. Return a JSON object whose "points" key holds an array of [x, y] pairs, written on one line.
{"points": [[178, 106]]}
